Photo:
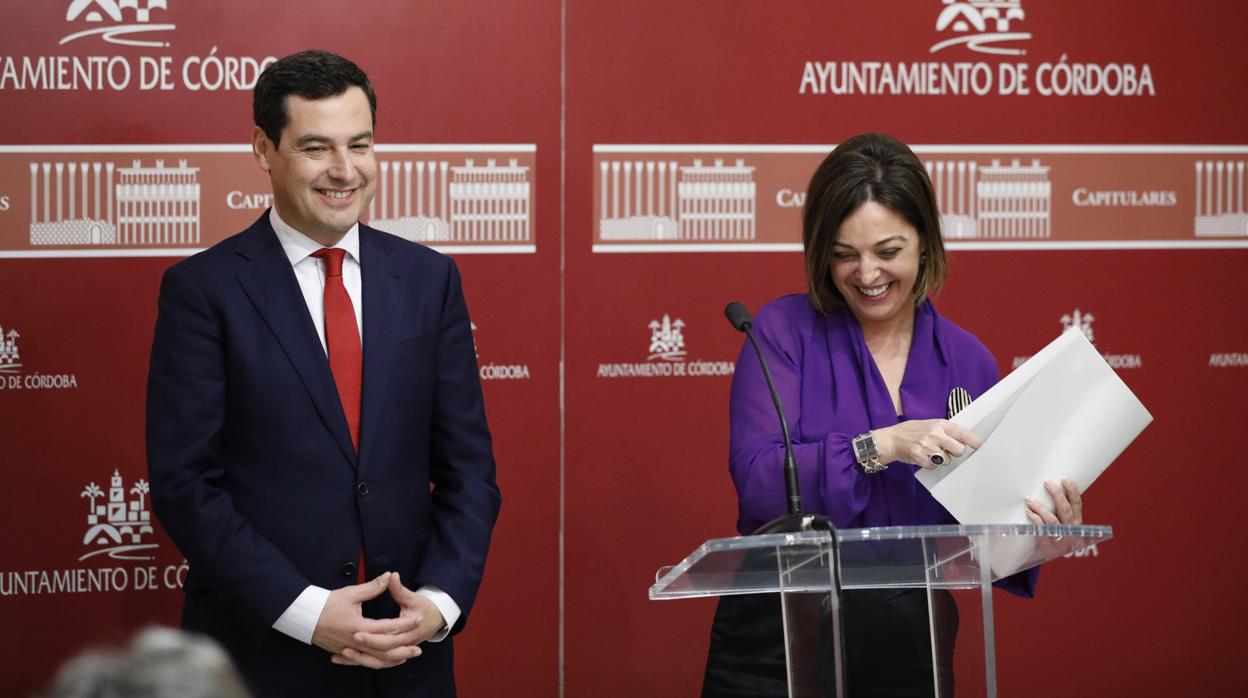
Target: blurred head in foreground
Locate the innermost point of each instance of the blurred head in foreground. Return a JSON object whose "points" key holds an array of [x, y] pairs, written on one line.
{"points": [[159, 663]]}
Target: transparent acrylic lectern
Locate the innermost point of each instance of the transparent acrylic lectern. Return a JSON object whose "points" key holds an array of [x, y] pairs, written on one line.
{"points": [[955, 565]]}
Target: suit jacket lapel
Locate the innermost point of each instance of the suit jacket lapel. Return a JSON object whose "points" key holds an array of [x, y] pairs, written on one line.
{"points": [[383, 309], [269, 281]]}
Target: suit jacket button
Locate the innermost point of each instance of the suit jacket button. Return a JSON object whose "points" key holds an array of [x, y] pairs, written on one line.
{"points": [[362, 488], [348, 569]]}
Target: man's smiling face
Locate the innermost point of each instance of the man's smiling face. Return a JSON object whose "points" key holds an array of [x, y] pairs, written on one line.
{"points": [[324, 171]]}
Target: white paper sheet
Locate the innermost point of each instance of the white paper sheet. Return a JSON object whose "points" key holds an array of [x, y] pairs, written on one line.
{"points": [[1063, 413]]}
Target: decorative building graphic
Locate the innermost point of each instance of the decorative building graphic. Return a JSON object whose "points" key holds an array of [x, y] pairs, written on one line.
{"points": [[667, 339], [956, 196], [116, 527], [10, 358], [982, 25], [660, 200], [1220, 199], [84, 225], [434, 202], [1081, 321], [156, 205], [992, 201], [147, 200], [490, 203]]}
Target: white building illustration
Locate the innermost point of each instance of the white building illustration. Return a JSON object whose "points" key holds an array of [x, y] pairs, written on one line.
{"points": [[80, 217], [992, 201], [10, 358], [158, 205], [661, 200], [1220, 199], [93, 203], [432, 201], [110, 523]]}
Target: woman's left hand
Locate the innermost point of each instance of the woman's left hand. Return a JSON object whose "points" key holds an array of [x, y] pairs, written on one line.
{"points": [[1067, 505]]}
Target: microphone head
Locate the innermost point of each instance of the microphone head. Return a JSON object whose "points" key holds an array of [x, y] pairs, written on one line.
{"points": [[738, 316]]}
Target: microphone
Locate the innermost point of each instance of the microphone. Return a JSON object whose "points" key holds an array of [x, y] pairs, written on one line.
{"points": [[738, 316], [795, 520]]}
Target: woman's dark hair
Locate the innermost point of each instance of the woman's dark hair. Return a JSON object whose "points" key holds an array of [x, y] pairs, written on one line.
{"points": [[309, 74], [871, 167]]}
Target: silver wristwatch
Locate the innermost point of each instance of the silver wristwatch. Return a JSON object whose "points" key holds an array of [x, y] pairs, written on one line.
{"points": [[867, 455]]}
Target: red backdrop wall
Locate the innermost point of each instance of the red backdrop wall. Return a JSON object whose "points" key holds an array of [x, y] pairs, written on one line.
{"points": [[612, 459]]}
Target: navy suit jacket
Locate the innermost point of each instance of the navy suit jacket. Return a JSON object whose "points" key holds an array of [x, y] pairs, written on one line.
{"points": [[252, 469]]}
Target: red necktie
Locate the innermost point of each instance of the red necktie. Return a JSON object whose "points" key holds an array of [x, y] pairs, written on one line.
{"points": [[342, 338], [346, 356]]}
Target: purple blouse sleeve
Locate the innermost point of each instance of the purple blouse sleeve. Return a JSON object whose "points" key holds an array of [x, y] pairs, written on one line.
{"points": [[829, 483]]}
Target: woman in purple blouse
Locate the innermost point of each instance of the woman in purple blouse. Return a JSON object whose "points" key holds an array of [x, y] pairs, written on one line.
{"points": [[864, 366]]}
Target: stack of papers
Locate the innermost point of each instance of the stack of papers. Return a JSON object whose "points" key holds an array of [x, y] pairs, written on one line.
{"points": [[1063, 413]]}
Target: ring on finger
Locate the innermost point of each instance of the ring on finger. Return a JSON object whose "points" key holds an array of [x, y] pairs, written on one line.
{"points": [[939, 458], [1058, 538]]}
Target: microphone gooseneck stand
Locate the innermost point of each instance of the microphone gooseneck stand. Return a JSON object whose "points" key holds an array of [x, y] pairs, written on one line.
{"points": [[795, 521]]}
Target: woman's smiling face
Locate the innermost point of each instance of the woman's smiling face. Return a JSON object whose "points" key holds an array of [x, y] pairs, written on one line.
{"points": [[875, 263]]}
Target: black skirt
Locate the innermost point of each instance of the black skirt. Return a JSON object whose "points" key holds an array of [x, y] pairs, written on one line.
{"points": [[887, 646]]}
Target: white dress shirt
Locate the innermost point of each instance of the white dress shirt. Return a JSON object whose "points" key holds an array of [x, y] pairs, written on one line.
{"points": [[300, 618]]}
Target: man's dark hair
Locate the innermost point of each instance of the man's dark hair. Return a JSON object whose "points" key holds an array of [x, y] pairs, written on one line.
{"points": [[870, 167], [309, 74]]}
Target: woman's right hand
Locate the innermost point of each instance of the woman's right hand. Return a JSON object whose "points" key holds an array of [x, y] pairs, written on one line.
{"points": [[914, 441]]}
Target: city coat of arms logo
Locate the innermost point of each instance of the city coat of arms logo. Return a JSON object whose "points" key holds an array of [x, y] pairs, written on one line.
{"points": [[117, 526], [16, 373], [1081, 321], [667, 339], [982, 26], [667, 356], [113, 15], [10, 357]]}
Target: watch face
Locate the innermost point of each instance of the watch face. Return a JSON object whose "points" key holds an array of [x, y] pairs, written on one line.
{"points": [[864, 446]]}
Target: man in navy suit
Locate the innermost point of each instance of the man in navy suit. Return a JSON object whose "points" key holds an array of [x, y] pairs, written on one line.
{"points": [[316, 436]]}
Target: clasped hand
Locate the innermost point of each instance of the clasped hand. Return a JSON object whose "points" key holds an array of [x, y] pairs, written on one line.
{"points": [[353, 640]]}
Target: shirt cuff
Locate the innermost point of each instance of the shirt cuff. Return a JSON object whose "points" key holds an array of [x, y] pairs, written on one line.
{"points": [[446, 605], [300, 618]]}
